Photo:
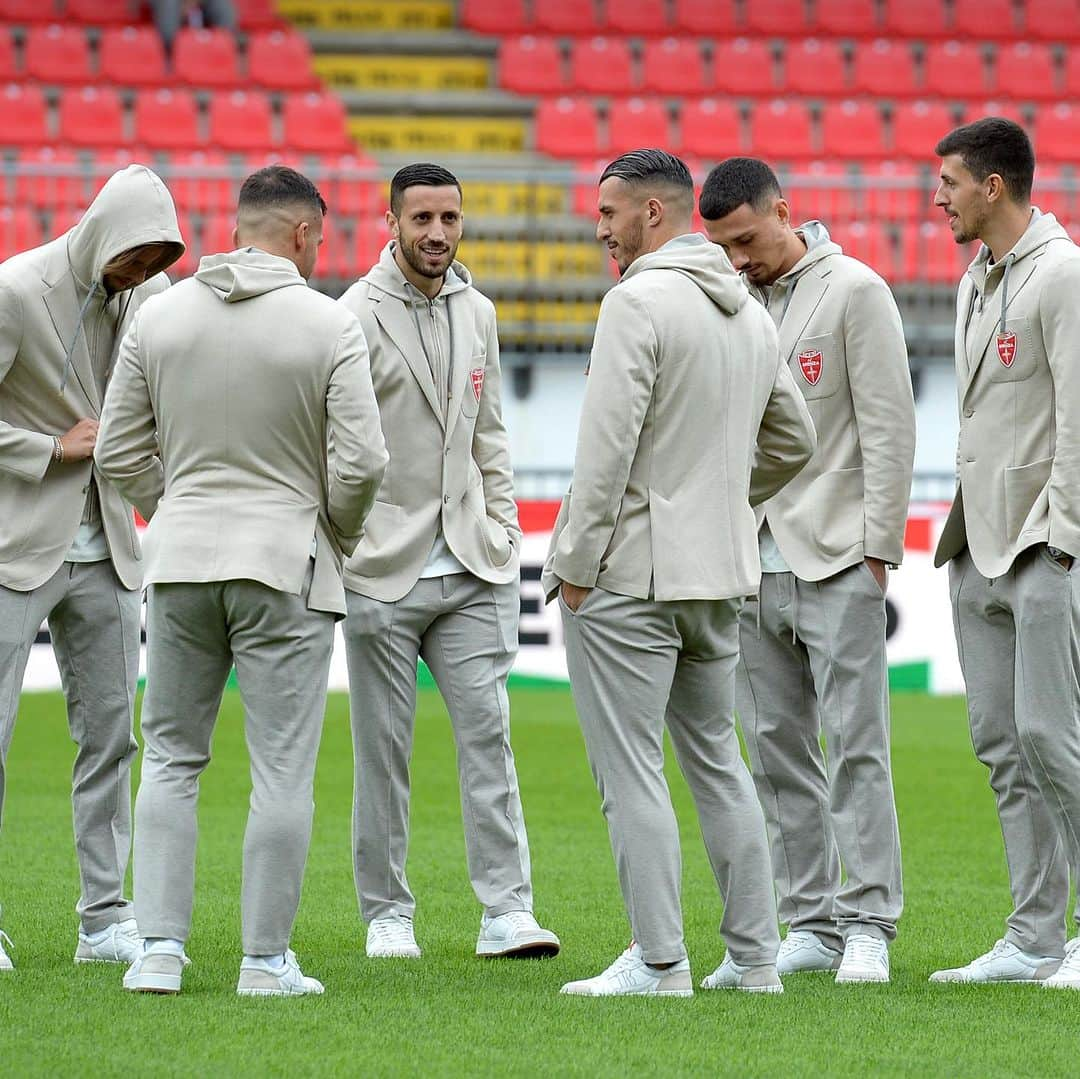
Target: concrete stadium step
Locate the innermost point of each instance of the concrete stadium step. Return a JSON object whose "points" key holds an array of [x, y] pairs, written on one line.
{"points": [[392, 73], [529, 259], [440, 134], [366, 16]]}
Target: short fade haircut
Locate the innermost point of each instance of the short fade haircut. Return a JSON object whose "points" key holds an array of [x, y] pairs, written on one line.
{"points": [[277, 186], [651, 168], [736, 181], [421, 174], [994, 145]]}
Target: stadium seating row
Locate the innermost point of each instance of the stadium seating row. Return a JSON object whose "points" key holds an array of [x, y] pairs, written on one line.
{"points": [[134, 56], [759, 67], [1050, 20], [250, 14], [171, 119]]}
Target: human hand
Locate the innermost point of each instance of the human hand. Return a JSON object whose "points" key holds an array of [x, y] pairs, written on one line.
{"points": [[573, 596], [78, 443]]}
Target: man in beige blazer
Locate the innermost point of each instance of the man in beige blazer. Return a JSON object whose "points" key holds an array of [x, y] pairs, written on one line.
{"points": [[68, 548], [652, 556], [215, 427], [436, 575], [1013, 535], [813, 642]]}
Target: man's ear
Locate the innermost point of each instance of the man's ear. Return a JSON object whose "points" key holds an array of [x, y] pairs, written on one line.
{"points": [[783, 212], [995, 187], [392, 224], [655, 209], [300, 235], [236, 237]]}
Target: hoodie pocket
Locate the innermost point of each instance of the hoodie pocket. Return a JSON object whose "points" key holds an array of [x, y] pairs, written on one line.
{"points": [[816, 364]]}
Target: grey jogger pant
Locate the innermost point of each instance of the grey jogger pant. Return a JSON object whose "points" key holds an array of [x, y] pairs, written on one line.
{"points": [[94, 624], [281, 650], [466, 631], [638, 665], [813, 660], [1018, 637]]}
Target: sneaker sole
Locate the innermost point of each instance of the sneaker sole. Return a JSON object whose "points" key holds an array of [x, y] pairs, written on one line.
{"points": [[162, 984], [859, 979], [394, 955], [745, 988], [656, 993], [273, 993], [99, 959], [537, 949], [985, 981]]}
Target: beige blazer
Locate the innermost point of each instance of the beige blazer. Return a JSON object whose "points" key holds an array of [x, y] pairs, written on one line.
{"points": [[1018, 458], [842, 339], [42, 293], [216, 424], [454, 473], [688, 418]]}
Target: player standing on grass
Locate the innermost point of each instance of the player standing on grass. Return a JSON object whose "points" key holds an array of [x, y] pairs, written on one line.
{"points": [[651, 556], [1013, 534], [813, 642], [215, 427], [68, 548], [436, 575]]}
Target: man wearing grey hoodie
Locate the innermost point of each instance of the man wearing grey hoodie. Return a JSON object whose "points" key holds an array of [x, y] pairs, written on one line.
{"points": [[689, 419], [813, 643], [1013, 535], [216, 427], [68, 548]]}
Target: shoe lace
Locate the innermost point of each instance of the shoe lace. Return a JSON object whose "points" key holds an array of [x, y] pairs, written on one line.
{"points": [[866, 949], [519, 919], [1002, 947], [391, 929]]}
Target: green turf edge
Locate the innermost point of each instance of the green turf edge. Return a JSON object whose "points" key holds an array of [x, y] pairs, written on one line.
{"points": [[910, 677]]}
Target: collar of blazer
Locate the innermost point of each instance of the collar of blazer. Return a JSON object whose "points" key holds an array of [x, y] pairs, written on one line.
{"points": [[809, 289], [63, 303]]}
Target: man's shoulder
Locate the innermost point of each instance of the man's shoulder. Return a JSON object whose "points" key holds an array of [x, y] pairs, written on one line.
{"points": [[23, 274], [850, 272]]}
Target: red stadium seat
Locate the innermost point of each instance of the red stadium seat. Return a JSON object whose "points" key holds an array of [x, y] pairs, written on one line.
{"points": [[350, 185], [241, 120], [782, 18], [188, 262], [1051, 191], [167, 119], [983, 19], [316, 122], [92, 117], [494, 16], [918, 126], [7, 55], [205, 58], [820, 190], [884, 68], [57, 54], [705, 16], [1026, 72], [869, 242], [28, 11], [955, 69], [637, 123], [1052, 20], [132, 56], [567, 127], [1009, 110], [337, 257], [256, 15], [103, 163], [852, 129], [198, 181], [217, 234], [602, 65], [101, 12], [1072, 73], [281, 60], [815, 67], [23, 116], [930, 254], [531, 65], [741, 62], [674, 66], [781, 130], [712, 128], [895, 191], [565, 17], [20, 230], [49, 177], [915, 18], [370, 236], [848, 18], [1057, 133], [637, 16]]}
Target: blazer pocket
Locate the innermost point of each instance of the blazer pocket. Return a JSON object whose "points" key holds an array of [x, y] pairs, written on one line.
{"points": [[836, 516], [1023, 486], [816, 364], [496, 540], [380, 528], [474, 387], [1014, 356]]}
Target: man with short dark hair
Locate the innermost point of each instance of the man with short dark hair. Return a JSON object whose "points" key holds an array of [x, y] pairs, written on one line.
{"points": [[436, 575], [813, 642], [215, 427], [68, 548], [688, 419], [1013, 534]]}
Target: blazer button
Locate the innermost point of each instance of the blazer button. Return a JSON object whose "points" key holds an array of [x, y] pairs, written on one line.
{"points": [[446, 498], [446, 452], [969, 412]]}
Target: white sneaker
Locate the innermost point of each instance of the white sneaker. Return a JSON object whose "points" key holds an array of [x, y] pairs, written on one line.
{"points": [[630, 975], [261, 978], [515, 934], [802, 951], [1003, 963], [118, 943], [392, 936], [866, 959], [1068, 974], [5, 959], [158, 968], [729, 975]]}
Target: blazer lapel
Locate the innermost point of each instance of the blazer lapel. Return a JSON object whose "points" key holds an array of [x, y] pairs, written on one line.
{"points": [[63, 304], [809, 291], [399, 326], [462, 336]]}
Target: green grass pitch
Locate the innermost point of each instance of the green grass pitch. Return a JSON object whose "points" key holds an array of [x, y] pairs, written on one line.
{"points": [[452, 1014]]}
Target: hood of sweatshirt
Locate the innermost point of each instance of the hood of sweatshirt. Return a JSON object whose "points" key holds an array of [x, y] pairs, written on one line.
{"points": [[703, 262], [387, 277], [819, 245], [240, 275]]}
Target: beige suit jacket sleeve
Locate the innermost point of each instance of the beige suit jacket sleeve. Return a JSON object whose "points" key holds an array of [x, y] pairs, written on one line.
{"points": [[786, 438], [618, 392], [127, 448], [359, 457]]}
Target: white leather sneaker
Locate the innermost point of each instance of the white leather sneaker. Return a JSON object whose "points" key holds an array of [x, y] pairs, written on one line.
{"points": [[158, 968], [261, 978], [1005, 962], [866, 959], [5, 959], [802, 951], [118, 943], [391, 937], [1068, 974], [517, 935], [630, 975], [730, 975]]}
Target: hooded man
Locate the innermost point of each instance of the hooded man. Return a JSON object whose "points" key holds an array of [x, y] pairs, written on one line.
{"points": [[216, 427], [436, 575], [652, 555], [1013, 534], [812, 645], [68, 548]]}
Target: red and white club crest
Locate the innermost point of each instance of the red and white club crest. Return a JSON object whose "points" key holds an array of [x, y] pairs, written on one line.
{"points": [[477, 376], [1006, 346], [810, 362]]}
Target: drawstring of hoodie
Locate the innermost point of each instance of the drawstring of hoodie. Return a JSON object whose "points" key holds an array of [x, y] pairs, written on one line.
{"points": [[1009, 260], [95, 287], [410, 288]]}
